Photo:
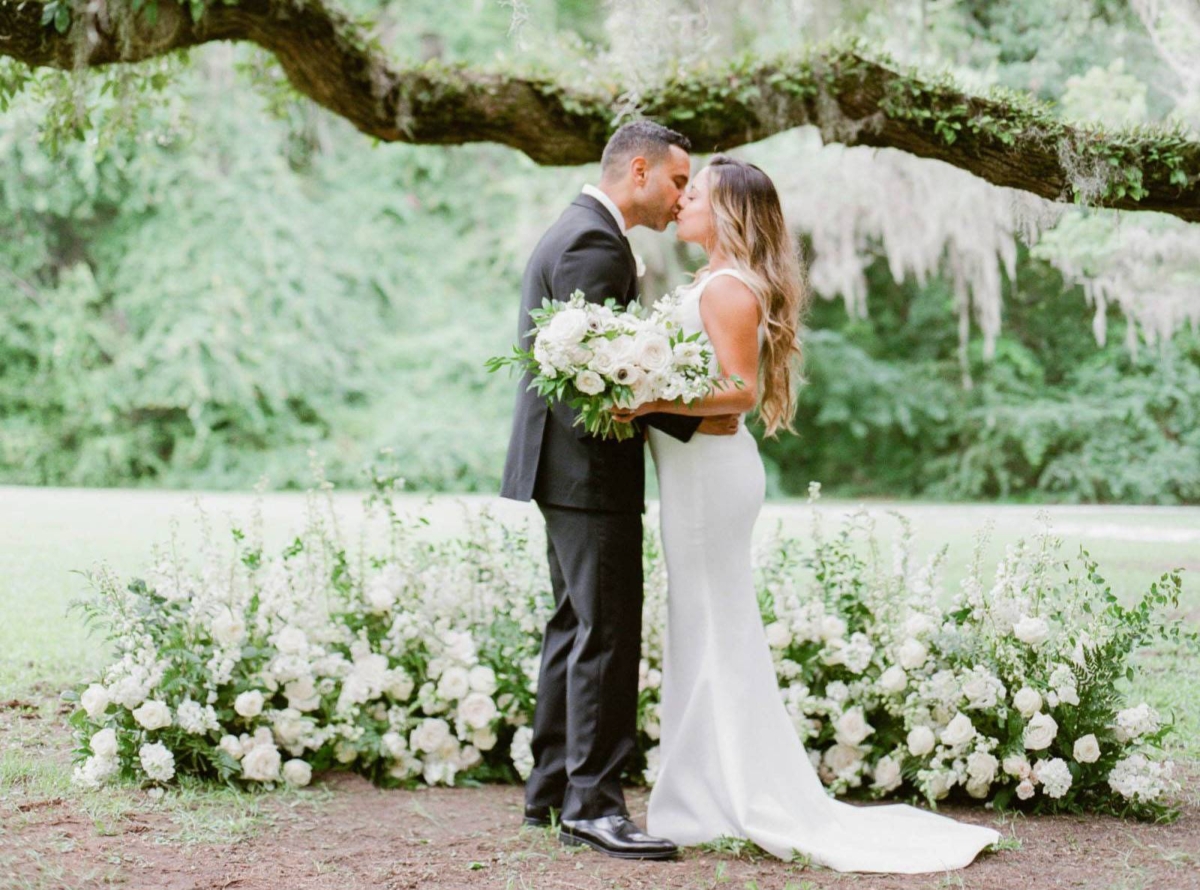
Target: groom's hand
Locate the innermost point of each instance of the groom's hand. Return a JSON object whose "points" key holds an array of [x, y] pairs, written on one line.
{"points": [[719, 425]]}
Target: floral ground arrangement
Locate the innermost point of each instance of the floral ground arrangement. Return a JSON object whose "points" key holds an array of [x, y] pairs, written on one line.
{"points": [[415, 662]]}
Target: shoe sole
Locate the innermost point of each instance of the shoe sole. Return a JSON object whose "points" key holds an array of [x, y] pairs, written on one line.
{"points": [[571, 840]]}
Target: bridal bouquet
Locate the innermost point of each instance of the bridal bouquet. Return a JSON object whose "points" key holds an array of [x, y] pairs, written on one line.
{"points": [[597, 357]]}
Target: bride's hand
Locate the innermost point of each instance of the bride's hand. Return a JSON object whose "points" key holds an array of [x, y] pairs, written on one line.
{"points": [[627, 415]]}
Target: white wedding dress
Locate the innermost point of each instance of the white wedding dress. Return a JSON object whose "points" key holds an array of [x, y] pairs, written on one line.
{"points": [[730, 762]]}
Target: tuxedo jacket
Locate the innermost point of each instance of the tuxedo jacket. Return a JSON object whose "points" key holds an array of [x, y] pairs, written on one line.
{"points": [[550, 460]]}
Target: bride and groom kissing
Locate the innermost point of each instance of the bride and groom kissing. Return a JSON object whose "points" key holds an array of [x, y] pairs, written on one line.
{"points": [[730, 763]]}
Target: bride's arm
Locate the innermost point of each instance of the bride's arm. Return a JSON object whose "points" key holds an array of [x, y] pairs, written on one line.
{"points": [[729, 310]]}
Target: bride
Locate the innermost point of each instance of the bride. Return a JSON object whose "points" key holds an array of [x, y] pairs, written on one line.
{"points": [[731, 763]]}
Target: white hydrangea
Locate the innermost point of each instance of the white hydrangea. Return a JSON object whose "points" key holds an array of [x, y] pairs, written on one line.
{"points": [[521, 752], [1054, 776], [1135, 722], [195, 718], [94, 772], [157, 761], [1138, 778]]}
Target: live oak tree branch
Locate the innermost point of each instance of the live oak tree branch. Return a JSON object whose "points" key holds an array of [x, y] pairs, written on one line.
{"points": [[1006, 139]]}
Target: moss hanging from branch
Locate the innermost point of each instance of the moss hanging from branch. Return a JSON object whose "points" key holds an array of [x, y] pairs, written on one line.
{"points": [[1005, 138]]}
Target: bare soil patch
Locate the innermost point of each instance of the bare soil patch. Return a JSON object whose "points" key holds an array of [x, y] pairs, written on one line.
{"points": [[344, 833]]}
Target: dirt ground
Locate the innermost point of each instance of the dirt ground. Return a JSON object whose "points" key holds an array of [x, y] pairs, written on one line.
{"points": [[344, 833]]}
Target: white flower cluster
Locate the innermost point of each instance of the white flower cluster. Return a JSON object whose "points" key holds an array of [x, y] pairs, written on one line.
{"points": [[396, 672], [420, 664], [613, 357]]}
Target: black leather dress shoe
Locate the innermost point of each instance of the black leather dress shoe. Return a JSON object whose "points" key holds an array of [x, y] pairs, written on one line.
{"points": [[617, 836], [539, 817]]}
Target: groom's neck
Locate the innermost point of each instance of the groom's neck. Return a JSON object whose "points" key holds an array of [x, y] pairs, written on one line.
{"points": [[621, 195]]}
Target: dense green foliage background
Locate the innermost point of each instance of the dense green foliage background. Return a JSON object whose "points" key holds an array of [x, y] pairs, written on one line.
{"points": [[204, 295]]}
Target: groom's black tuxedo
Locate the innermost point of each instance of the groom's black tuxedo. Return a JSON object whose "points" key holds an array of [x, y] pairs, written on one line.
{"points": [[550, 460], [591, 493]]}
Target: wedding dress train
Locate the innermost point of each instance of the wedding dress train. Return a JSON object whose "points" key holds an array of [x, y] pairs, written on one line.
{"points": [[730, 761]]}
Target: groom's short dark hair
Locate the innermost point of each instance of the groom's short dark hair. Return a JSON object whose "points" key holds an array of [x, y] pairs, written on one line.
{"points": [[645, 138]]}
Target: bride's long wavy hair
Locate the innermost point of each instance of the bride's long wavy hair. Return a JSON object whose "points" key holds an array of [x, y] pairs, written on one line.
{"points": [[751, 231]]}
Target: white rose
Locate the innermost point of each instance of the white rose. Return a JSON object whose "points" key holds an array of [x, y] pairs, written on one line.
{"points": [[1040, 732], [887, 774], [893, 679], [1068, 695], [153, 715], [232, 746], [1027, 702], [289, 727], [568, 326], [958, 731], [981, 691], [852, 727], [95, 701], [1031, 629], [1016, 765], [104, 744], [778, 636], [228, 629], [920, 741], [399, 685], [261, 763], [589, 382], [978, 789], [1025, 790], [842, 760], [477, 710], [249, 704], [481, 679], [297, 773], [912, 654], [431, 735], [484, 739], [981, 767], [454, 684], [603, 359], [1087, 749], [652, 351], [940, 783], [468, 758], [302, 694]]}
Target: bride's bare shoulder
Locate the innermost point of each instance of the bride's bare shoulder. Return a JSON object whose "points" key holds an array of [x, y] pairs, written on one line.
{"points": [[728, 299]]}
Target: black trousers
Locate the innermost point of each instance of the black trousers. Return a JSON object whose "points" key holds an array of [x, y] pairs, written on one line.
{"points": [[585, 724]]}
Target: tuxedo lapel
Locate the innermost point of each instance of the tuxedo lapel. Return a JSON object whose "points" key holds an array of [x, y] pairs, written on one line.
{"points": [[607, 218]]}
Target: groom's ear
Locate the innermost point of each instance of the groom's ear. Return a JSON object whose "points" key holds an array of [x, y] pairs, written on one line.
{"points": [[639, 170]]}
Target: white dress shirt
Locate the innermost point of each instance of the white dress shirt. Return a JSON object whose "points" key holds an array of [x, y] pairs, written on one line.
{"points": [[604, 199]]}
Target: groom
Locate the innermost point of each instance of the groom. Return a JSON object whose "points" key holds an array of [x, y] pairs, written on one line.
{"points": [[591, 494]]}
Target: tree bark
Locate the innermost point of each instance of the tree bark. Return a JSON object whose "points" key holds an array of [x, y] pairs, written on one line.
{"points": [[849, 97]]}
